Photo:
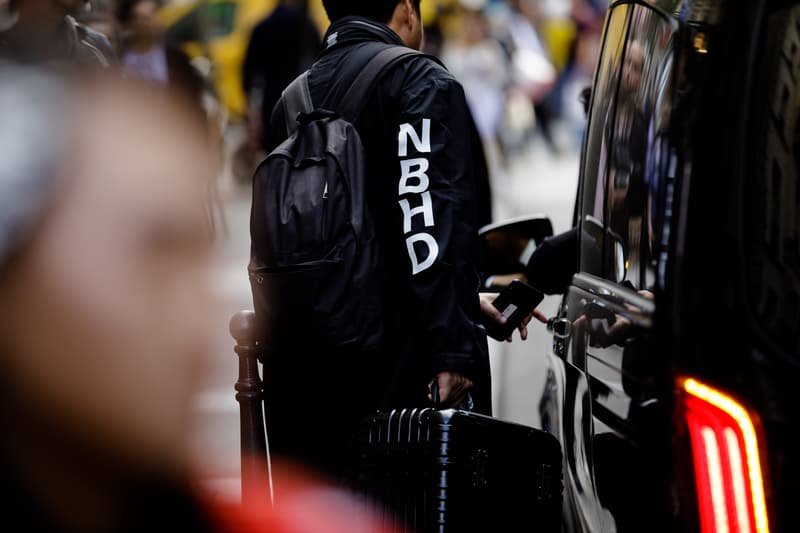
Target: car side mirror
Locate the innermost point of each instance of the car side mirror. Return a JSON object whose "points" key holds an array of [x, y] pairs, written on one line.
{"points": [[507, 246]]}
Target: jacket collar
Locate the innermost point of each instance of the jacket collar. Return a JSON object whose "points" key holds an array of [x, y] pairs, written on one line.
{"points": [[351, 30]]}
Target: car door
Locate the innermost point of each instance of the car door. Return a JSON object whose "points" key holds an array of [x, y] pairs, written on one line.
{"points": [[602, 398]]}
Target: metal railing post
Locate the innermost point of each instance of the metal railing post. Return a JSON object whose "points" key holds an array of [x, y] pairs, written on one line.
{"points": [[249, 393]]}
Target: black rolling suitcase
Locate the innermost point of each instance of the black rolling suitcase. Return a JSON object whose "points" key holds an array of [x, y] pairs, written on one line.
{"points": [[442, 471]]}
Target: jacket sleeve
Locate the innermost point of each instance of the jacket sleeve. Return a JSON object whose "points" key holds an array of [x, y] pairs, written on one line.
{"points": [[436, 223]]}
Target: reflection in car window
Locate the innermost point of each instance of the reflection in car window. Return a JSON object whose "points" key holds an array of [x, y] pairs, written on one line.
{"points": [[638, 151], [601, 122], [771, 199]]}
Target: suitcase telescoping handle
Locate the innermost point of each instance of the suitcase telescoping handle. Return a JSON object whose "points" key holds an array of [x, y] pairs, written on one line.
{"points": [[466, 405]]}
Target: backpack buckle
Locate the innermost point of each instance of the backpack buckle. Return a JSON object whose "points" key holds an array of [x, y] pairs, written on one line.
{"points": [[317, 114]]}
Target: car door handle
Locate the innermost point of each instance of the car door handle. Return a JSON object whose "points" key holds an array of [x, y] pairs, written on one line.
{"points": [[561, 328]]}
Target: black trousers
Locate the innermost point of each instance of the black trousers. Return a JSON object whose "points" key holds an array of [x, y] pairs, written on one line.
{"points": [[314, 400]]}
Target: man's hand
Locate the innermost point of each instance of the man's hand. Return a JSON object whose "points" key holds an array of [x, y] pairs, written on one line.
{"points": [[453, 388], [494, 314]]}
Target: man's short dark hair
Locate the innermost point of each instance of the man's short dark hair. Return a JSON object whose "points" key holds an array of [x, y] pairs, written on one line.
{"points": [[380, 10]]}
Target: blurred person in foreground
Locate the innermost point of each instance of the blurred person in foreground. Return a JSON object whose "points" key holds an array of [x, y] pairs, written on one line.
{"points": [[282, 46], [45, 31], [106, 317]]}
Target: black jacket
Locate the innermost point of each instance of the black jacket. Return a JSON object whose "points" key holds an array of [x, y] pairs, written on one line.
{"points": [[433, 314]]}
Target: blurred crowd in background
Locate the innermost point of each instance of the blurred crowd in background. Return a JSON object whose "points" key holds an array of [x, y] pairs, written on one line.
{"points": [[523, 63]]}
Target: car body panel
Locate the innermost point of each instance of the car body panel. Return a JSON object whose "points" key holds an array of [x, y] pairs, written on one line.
{"points": [[688, 211]]}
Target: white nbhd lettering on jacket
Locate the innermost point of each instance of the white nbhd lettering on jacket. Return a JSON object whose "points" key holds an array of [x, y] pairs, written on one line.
{"points": [[414, 181], [422, 144], [433, 251], [414, 168], [426, 210]]}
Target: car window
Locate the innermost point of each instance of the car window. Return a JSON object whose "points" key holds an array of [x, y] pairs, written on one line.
{"points": [[596, 149], [638, 151], [207, 21], [771, 196], [635, 162]]}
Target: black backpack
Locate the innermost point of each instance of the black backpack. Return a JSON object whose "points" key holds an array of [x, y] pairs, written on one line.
{"points": [[315, 259]]}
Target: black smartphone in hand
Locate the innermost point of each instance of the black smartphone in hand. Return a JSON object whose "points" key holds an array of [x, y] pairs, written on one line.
{"points": [[515, 302]]}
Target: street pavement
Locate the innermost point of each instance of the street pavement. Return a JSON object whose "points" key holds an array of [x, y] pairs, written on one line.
{"points": [[534, 182]]}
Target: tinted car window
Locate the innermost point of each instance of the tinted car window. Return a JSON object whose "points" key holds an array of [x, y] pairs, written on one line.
{"points": [[771, 199], [618, 343], [596, 149], [638, 149]]}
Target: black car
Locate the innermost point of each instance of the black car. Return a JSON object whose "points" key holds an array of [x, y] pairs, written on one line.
{"points": [[674, 373]]}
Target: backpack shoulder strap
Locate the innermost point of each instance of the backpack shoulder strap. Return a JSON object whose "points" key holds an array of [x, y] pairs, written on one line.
{"points": [[358, 93], [296, 99]]}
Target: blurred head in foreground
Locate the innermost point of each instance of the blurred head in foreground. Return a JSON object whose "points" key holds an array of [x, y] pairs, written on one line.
{"points": [[105, 312], [105, 318]]}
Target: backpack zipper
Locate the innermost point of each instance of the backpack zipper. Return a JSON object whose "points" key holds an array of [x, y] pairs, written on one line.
{"points": [[325, 211]]}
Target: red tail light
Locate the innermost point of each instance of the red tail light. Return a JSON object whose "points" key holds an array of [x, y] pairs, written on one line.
{"points": [[730, 485]]}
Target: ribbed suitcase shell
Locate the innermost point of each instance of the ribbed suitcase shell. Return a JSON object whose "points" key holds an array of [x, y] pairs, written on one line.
{"points": [[443, 471]]}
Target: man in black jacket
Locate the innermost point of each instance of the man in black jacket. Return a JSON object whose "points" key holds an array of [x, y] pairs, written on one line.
{"points": [[423, 161]]}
